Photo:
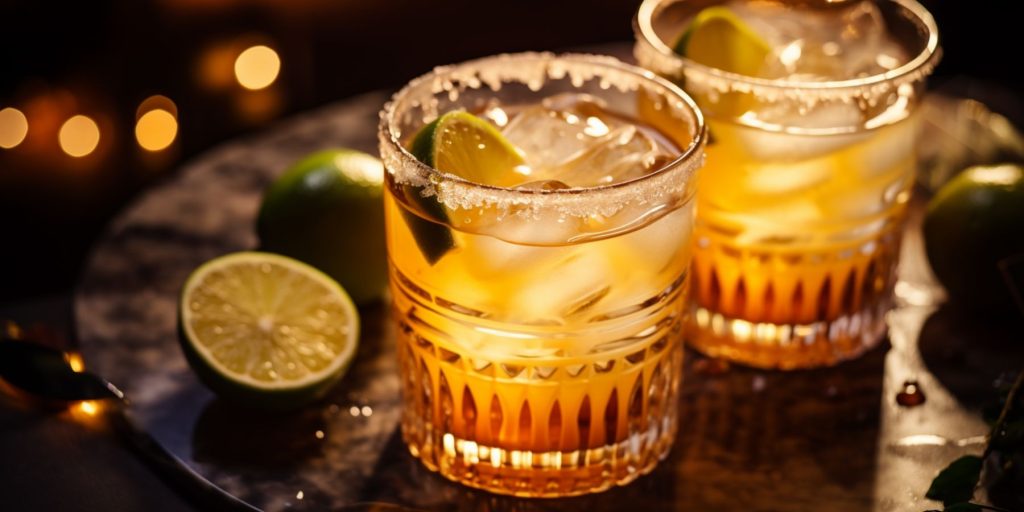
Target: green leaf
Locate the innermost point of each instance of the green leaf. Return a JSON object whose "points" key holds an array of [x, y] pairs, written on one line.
{"points": [[963, 507], [956, 483]]}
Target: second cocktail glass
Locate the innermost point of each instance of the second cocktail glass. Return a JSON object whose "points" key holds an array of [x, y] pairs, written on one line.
{"points": [[809, 169], [539, 323]]}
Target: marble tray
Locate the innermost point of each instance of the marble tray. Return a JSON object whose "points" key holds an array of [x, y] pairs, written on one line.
{"points": [[830, 439]]}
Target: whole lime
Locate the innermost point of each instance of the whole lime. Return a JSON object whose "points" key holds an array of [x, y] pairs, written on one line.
{"points": [[327, 210], [974, 222]]}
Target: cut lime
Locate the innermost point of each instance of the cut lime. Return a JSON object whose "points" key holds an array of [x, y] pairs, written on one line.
{"points": [[266, 330], [469, 147], [462, 144], [432, 236], [720, 39]]}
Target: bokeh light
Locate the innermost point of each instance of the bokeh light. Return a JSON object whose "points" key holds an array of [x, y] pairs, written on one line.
{"points": [[13, 127], [75, 361], [79, 136], [87, 412], [257, 67], [156, 130], [156, 125], [89, 407]]}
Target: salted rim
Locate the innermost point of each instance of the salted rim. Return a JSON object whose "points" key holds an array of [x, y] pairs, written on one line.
{"points": [[911, 71], [689, 158]]}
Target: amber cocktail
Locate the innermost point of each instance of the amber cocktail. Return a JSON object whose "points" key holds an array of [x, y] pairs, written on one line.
{"points": [[539, 316], [809, 166]]}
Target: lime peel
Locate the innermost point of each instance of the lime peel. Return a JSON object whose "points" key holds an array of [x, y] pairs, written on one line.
{"points": [[719, 38], [326, 210]]}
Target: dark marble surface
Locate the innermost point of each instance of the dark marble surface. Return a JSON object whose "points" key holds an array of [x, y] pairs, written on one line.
{"points": [[829, 439]]}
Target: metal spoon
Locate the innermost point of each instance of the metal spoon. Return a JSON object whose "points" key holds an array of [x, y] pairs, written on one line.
{"points": [[45, 373]]}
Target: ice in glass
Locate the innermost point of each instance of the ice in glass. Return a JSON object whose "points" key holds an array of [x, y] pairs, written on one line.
{"points": [[810, 164], [538, 293]]}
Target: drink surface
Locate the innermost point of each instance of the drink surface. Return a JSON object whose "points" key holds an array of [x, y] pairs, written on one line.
{"points": [[803, 193], [820, 41], [539, 348]]}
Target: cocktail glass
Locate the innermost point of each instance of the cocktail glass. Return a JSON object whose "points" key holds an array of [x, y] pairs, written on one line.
{"points": [[801, 205], [539, 327]]}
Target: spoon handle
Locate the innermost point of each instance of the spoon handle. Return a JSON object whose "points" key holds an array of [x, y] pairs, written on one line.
{"points": [[179, 475]]}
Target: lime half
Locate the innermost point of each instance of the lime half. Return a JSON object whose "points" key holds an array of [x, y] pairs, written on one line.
{"points": [[266, 330], [720, 39]]}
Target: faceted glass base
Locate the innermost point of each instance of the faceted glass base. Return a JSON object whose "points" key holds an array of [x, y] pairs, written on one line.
{"points": [[541, 474], [542, 426], [787, 346]]}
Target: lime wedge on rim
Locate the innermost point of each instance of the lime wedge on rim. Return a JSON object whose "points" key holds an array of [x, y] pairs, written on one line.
{"points": [[469, 147], [717, 37], [462, 144], [266, 330]]}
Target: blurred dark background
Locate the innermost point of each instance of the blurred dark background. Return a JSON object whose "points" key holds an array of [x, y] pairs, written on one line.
{"points": [[159, 82]]}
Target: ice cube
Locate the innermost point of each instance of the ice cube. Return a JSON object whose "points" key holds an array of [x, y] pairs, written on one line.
{"points": [[625, 153], [496, 113], [517, 241], [571, 287], [771, 143], [862, 202], [584, 104], [553, 132], [544, 185], [494, 258], [819, 43], [459, 284], [823, 115], [786, 178], [890, 149], [866, 47], [783, 221], [656, 245]]}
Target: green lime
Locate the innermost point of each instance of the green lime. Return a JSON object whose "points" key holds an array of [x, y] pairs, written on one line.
{"points": [[465, 145], [327, 210], [462, 144], [266, 330], [720, 39], [972, 224]]}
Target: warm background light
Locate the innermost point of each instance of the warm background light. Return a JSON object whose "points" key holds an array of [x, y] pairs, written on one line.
{"points": [[154, 102], [13, 127], [156, 129], [75, 361], [79, 136], [257, 67], [89, 407], [87, 412]]}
